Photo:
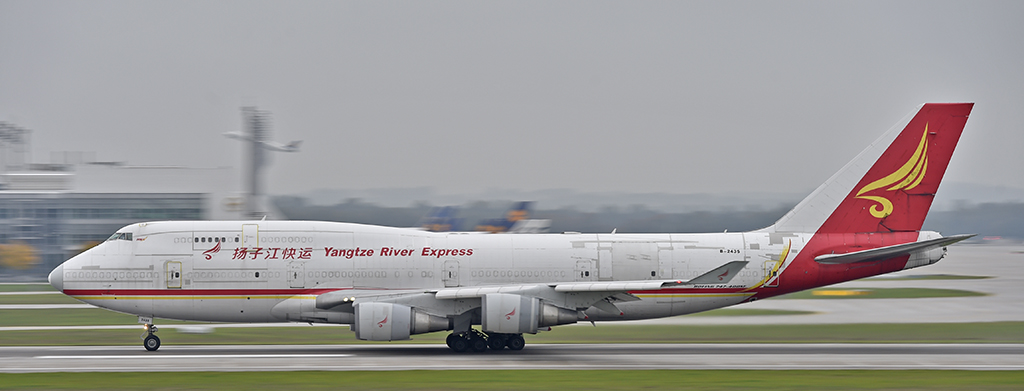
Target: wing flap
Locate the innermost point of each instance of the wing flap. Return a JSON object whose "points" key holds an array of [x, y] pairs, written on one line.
{"points": [[877, 254]]}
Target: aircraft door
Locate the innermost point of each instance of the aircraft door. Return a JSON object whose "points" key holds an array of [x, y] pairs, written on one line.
{"points": [[634, 261], [173, 269], [604, 261], [450, 274], [772, 281], [585, 271], [665, 260], [296, 275], [250, 235]]}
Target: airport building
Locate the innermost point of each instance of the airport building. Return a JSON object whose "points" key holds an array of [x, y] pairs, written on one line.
{"points": [[49, 213]]}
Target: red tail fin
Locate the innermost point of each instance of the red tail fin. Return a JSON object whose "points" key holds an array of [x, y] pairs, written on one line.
{"points": [[897, 191]]}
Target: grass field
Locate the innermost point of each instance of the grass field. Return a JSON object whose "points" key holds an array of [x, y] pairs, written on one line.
{"points": [[882, 293], [525, 380], [68, 317], [41, 287], [748, 312], [37, 299], [923, 277], [995, 332]]}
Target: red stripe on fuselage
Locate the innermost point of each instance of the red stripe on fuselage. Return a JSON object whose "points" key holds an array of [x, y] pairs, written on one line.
{"points": [[197, 292]]}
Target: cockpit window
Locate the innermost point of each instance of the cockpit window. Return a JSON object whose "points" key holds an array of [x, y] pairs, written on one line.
{"points": [[120, 236]]}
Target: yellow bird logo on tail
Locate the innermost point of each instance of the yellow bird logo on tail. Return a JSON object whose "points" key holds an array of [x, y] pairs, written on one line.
{"points": [[906, 177]]}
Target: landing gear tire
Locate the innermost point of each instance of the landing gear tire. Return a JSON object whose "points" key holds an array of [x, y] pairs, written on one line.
{"points": [[496, 342], [458, 344], [152, 343], [149, 340], [478, 344], [451, 338], [516, 342]]}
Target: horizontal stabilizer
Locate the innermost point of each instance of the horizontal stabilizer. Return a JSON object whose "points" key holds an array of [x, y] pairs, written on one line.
{"points": [[720, 275], [881, 253]]}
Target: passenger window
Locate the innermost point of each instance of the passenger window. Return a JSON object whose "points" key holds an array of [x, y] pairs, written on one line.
{"points": [[197, 240], [202, 240]]}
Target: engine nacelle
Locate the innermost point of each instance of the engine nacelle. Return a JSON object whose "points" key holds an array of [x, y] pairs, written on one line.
{"points": [[391, 322], [514, 314], [925, 258]]}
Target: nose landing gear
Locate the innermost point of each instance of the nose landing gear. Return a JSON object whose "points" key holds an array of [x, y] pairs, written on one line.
{"points": [[149, 340]]}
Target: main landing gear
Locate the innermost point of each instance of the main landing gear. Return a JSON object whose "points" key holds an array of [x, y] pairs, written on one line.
{"points": [[479, 341], [149, 340]]}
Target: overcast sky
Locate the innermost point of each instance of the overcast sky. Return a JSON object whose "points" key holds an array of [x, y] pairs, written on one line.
{"points": [[680, 97]]}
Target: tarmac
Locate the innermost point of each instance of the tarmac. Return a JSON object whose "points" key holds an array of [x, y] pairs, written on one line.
{"points": [[391, 357]]}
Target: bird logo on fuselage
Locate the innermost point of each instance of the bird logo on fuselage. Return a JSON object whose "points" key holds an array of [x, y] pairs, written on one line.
{"points": [[209, 253]]}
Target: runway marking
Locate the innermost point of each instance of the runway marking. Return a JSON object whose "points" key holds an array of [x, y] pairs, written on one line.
{"points": [[132, 357]]}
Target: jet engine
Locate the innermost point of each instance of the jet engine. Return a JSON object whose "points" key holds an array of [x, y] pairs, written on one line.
{"points": [[514, 314], [391, 322]]}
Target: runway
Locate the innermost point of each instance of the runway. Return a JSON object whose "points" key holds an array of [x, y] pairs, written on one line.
{"points": [[388, 357]]}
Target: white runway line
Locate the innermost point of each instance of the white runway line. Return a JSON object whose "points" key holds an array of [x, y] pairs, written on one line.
{"points": [[191, 356], [43, 306]]}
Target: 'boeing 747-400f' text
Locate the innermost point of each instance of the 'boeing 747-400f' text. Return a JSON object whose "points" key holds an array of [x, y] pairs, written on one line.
{"points": [[391, 283]]}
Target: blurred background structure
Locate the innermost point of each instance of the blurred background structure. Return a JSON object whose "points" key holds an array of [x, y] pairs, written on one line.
{"points": [[52, 211], [257, 143]]}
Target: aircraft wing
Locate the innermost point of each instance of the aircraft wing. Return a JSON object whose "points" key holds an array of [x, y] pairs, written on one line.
{"points": [[887, 252], [725, 272], [587, 286]]}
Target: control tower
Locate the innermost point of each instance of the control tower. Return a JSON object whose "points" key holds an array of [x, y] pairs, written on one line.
{"points": [[256, 137]]}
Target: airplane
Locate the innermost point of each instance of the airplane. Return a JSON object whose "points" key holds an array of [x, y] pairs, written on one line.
{"points": [[516, 221], [392, 283], [441, 219]]}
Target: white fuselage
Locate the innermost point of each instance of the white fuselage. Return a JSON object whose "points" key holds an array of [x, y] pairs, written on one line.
{"points": [[244, 271]]}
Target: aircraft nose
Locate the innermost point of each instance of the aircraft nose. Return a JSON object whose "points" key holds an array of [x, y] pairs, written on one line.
{"points": [[56, 278]]}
